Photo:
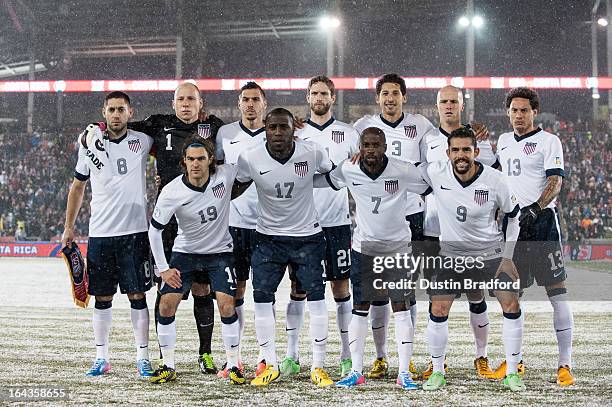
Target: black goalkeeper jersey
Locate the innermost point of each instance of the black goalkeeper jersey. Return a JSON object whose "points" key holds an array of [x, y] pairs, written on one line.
{"points": [[169, 134]]}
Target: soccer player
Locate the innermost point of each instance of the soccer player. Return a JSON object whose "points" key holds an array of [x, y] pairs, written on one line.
{"points": [[468, 195], [532, 160], [202, 251], [118, 250], [450, 105], [288, 232], [232, 139], [379, 185], [341, 141], [407, 135]]}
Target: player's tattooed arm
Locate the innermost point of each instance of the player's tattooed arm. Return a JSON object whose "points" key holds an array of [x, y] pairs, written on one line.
{"points": [[239, 187], [551, 190]]}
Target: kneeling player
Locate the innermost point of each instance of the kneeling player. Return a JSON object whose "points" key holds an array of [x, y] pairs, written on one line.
{"points": [[468, 195], [202, 250]]}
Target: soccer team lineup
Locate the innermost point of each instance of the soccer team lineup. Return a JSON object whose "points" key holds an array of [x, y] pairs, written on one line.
{"points": [[438, 212]]}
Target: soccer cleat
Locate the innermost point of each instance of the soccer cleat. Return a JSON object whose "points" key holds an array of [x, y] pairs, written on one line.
{"points": [[207, 366], [320, 377], [223, 372], [346, 365], [144, 368], [500, 372], [236, 376], [261, 366], [483, 369], [163, 375], [99, 367], [435, 381], [404, 380], [289, 367], [564, 376], [266, 377], [427, 373], [354, 378], [380, 368], [412, 369], [514, 382]]}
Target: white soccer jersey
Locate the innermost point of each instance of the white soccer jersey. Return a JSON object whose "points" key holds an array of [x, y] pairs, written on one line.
{"points": [[232, 139], [380, 200], [528, 160], [467, 209], [202, 214], [437, 144], [341, 141], [118, 192], [406, 141], [285, 204]]}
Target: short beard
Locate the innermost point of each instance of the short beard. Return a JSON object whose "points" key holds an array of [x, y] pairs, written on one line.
{"points": [[321, 110]]}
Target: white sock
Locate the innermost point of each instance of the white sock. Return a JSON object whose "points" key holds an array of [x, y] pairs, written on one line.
{"points": [[480, 328], [101, 326], [140, 325], [230, 331], [403, 338], [512, 337], [241, 318], [343, 319], [413, 317], [358, 329], [380, 315], [437, 339], [265, 327], [294, 323], [563, 321], [319, 327], [166, 335]]}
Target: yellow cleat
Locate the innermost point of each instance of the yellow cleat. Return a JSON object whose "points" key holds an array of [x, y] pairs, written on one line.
{"points": [[564, 376], [380, 368], [483, 369], [266, 377], [321, 378], [429, 370], [412, 369], [500, 372]]}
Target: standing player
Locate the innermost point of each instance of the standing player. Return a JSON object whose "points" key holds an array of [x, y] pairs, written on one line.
{"points": [[288, 233], [233, 139], [202, 250], [340, 140], [468, 195], [450, 105], [532, 159], [118, 253], [379, 185], [406, 134]]}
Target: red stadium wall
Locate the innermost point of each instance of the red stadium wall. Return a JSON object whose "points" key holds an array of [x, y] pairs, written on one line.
{"points": [[35, 249]]}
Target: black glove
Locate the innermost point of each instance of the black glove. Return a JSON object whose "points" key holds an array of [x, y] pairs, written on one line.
{"points": [[529, 214]]}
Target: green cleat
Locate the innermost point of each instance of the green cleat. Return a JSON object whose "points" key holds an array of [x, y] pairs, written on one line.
{"points": [[514, 382], [435, 381], [346, 365], [289, 367]]}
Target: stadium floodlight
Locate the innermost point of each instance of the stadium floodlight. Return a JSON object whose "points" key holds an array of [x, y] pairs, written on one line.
{"points": [[477, 21], [464, 21], [329, 23], [603, 22]]}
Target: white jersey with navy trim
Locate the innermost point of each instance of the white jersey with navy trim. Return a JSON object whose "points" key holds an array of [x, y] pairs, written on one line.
{"points": [[406, 141], [528, 160], [202, 214], [380, 200], [437, 144], [285, 204], [118, 192], [341, 141], [232, 139], [467, 210]]}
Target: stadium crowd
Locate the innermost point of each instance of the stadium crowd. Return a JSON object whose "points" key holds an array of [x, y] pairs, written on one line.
{"points": [[36, 172]]}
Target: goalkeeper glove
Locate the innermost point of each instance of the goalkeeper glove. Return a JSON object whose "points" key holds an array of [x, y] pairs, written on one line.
{"points": [[529, 214], [87, 135]]}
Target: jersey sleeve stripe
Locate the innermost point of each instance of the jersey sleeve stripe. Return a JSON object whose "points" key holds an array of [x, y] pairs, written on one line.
{"points": [[514, 212], [555, 171], [428, 191], [80, 177], [157, 225], [331, 184]]}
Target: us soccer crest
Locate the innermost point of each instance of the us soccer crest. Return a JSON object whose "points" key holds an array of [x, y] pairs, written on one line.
{"points": [[392, 186], [529, 148], [219, 190], [204, 130], [481, 196], [301, 168], [134, 145], [337, 136], [410, 131]]}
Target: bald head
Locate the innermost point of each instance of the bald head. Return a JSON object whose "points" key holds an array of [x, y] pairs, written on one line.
{"points": [[450, 106], [186, 85], [450, 91], [187, 102]]}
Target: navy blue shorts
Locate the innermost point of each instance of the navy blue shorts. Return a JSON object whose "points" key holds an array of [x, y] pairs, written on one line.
{"points": [[272, 255], [243, 251], [123, 260], [337, 252], [216, 269]]}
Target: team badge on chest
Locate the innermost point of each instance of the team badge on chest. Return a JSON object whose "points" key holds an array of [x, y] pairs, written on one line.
{"points": [[301, 168], [204, 130], [337, 136], [392, 186], [134, 145], [410, 131], [481, 196], [219, 190], [529, 148]]}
